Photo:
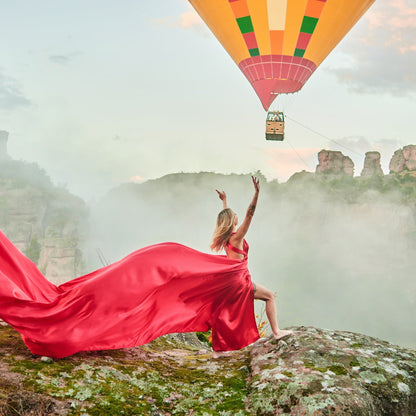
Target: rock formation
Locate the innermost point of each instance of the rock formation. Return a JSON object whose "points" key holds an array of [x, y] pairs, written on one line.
{"points": [[332, 372], [403, 159], [315, 372], [372, 165], [334, 162], [43, 221], [4, 135]]}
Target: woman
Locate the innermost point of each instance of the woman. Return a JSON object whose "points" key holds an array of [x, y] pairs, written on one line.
{"points": [[227, 237]]}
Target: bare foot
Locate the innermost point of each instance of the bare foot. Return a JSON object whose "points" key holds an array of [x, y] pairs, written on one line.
{"points": [[282, 333]]}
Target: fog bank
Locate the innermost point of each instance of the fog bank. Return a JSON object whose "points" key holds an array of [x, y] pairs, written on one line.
{"points": [[339, 254]]}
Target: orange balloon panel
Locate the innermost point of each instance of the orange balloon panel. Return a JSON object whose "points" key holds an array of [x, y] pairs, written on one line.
{"points": [[278, 44]]}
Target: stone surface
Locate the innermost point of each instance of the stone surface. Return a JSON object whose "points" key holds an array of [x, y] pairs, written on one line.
{"points": [[320, 372], [315, 372], [403, 159], [372, 165], [334, 162], [44, 222]]}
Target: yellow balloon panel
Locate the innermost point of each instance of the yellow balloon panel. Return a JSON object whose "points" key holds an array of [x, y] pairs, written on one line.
{"points": [[336, 20], [219, 17], [259, 17], [278, 44]]}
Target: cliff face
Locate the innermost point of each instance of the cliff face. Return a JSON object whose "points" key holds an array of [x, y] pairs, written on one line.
{"points": [[316, 372], [403, 159], [334, 162], [43, 221]]}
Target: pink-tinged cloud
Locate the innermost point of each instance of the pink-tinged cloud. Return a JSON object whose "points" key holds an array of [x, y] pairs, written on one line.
{"points": [[190, 19], [382, 50], [283, 163], [186, 20], [137, 179]]}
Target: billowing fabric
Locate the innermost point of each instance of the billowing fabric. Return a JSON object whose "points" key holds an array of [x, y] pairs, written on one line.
{"points": [[160, 289]]}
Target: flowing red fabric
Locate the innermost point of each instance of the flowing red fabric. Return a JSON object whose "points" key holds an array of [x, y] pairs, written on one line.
{"points": [[160, 289]]}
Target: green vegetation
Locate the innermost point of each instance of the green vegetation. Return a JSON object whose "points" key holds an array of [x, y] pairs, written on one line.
{"points": [[24, 174], [343, 188], [114, 382], [33, 250]]}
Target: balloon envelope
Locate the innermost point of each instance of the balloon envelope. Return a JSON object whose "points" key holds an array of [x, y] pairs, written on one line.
{"points": [[278, 44]]}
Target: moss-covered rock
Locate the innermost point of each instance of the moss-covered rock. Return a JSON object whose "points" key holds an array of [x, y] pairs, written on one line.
{"points": [[323, 372], [315, 372]]}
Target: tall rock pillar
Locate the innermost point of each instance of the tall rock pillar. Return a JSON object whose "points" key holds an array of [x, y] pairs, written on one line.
{"points": [[372, 165]]}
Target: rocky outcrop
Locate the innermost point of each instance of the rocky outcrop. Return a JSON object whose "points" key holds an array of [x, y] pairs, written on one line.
{"points": [[320, 372], [403, 159], [315, 372], [372, 165], [334, 162], [43, 221], [4, 135]]}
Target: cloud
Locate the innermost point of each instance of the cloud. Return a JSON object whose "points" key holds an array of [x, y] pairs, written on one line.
{"points": [[361, 145], [137, 179], [186, 20], [63, 60], [10, 95], [59, 59], [284, 162], [381, 55]]}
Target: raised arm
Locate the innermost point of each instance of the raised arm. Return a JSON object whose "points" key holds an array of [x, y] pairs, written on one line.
{"points": [[237, 238], [223, 197]]}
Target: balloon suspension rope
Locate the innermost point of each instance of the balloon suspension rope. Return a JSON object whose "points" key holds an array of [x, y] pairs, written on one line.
{"points": [[299, 156], [325, 137]]}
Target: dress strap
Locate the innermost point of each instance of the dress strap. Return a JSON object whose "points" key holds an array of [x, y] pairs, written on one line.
{"points": [[235, 249]]}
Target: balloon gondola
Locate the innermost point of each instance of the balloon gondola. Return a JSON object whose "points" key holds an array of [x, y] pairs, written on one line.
{"points": [[275, 126]]}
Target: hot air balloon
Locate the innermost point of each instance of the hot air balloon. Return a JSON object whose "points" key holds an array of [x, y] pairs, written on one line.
{"points": [[278, 44]]}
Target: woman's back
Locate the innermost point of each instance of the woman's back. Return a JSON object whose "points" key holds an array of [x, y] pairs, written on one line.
{"points": [[233, 251]]}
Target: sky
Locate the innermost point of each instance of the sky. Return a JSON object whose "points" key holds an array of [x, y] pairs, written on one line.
{"points": [[100, 93]]}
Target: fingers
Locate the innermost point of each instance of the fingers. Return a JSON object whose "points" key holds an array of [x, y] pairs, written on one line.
{"points": [[221, 194]]}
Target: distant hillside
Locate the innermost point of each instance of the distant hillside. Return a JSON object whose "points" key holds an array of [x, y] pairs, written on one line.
{"points": [[338, 250], [46, 222]]}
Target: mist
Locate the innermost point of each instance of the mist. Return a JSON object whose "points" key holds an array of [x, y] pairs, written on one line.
{"points": [[338, 256]]}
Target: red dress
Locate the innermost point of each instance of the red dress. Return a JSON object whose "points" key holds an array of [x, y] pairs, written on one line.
{"points": [[160, 289]]}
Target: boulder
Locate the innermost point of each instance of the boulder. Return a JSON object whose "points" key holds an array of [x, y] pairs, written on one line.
{"points": [[372, 165], [334, 162], [324, 372], [403, 159], [315, 372]]}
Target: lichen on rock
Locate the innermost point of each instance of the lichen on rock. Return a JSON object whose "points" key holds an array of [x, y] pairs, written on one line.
{"points": [[331, 372], [314, 372]]}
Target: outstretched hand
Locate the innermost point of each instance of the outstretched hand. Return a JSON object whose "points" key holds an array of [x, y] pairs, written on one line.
{"points": [[221, 195], [256, 183]]}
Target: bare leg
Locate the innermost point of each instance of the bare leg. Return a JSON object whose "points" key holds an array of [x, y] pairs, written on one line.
{"points": [[268, 296]]}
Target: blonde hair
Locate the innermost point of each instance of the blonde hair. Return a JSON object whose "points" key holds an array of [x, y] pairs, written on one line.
{"points": [[223, 229]]}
